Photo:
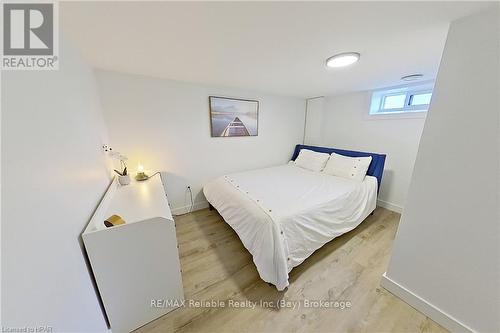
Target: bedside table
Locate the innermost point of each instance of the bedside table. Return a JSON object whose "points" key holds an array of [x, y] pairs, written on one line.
{"points": [[136, 263]]}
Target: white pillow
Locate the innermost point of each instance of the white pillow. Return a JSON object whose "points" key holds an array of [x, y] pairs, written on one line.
{"points": [[311, 160], [354, 168]]}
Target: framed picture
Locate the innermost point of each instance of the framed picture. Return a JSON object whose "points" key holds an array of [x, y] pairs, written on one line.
{"points": [[233, 117]]}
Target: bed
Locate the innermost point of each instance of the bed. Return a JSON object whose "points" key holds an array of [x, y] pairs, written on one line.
{"points": [[283, 214]]}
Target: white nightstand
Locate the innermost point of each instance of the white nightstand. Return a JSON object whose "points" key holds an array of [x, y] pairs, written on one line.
{"points": [[137, 262]]}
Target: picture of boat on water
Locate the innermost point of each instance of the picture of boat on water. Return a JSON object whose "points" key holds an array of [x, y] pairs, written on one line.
{"points": [[233, 117]]}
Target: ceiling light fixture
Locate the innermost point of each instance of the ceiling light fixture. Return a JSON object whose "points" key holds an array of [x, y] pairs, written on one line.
{"points": [[342, 59], [412, 77]]}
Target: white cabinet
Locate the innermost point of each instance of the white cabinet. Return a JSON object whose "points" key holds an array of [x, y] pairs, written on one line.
{"points": [[136, 262]]}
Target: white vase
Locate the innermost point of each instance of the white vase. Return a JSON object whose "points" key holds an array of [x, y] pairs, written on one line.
{"points": [[124, 180]]}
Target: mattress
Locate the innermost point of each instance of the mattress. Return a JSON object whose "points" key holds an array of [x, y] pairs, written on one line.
{"points": [[285, 213]]}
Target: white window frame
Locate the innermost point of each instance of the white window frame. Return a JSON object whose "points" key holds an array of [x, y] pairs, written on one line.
{"points": [[413, 93], [378, 98]]}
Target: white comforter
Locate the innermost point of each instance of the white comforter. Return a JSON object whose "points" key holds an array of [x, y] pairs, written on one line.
{"points": [[283, 214]]}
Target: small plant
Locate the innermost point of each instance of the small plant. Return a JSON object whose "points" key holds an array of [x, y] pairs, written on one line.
{"points": [[123, 164]]}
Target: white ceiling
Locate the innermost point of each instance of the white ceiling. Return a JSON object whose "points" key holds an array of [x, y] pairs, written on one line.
{"points": [[273, 47]]}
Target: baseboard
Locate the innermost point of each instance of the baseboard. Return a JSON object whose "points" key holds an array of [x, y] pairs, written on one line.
{"points": [[431, 311], [390, 206], [185, 209]]}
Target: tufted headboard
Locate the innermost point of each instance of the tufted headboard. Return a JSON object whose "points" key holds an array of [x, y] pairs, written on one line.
{"points": [[375, 169]]}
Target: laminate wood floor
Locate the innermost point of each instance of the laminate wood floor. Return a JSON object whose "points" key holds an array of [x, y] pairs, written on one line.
{"points": [[216, 266]]}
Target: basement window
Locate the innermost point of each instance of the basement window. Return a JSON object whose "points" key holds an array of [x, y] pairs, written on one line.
{"points": [[402, 100]]}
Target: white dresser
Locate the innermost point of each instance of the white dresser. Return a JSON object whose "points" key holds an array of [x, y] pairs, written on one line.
{"points": [[136, 263]]}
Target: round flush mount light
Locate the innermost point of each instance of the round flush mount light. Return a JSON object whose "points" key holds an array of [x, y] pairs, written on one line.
{"points": [[342, 59], [412, 77]]}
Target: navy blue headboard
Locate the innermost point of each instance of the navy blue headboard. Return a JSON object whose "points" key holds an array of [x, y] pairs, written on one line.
{"points": [[375, 169]]}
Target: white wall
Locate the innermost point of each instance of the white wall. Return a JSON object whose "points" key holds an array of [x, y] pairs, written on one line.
{"points": [[313, 131], [53, 175], [346, 125], [446, 255], [165, 125]]}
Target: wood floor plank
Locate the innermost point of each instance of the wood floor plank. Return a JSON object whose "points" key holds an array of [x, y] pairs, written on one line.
{"points": [[216, 266]]}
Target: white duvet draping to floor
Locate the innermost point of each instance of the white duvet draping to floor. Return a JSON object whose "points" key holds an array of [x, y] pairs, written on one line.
{"points": [[283, 214]]}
